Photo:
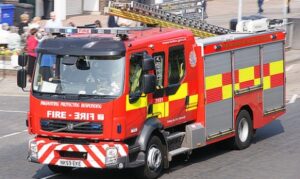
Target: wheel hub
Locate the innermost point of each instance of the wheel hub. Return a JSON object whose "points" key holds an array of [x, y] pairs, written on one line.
{"points": [[154, 158], [243, 130]]}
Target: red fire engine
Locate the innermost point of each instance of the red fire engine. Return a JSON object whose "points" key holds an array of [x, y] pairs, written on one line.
{"points": [[120, 98]]}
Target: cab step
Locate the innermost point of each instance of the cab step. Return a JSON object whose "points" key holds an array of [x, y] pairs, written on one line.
{"points": [[178, 151], [175, 135], [175, 140]]}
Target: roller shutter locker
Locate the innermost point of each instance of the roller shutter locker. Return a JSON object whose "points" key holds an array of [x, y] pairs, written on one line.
{"points": [[218, 87], [247, 68], [273, 81]]}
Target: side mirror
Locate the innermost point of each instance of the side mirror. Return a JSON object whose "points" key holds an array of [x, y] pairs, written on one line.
{"points": [[149, 83], [134, 97], [83, 65], [21, 78], [22, 60], [148, 63]]}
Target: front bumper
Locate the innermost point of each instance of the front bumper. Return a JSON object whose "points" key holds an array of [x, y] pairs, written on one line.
{"points": [[96, 155]]}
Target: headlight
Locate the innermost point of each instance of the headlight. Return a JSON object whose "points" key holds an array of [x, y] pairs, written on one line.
{"points": [[111, 156], [33, 147], [33, 150]]}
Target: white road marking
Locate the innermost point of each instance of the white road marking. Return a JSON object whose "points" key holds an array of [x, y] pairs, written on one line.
{"points": [[14, 95], [293, 99], [12, 134], [50, 176], [289, 68], [10, 111]]}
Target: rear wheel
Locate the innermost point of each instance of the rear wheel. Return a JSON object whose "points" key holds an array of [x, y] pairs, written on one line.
{"points": [[243, 130], [154, 159], [59, 169]]}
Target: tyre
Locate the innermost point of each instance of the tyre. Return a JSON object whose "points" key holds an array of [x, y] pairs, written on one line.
{"points": [[59, 169], [154, 160], [243, 130]]}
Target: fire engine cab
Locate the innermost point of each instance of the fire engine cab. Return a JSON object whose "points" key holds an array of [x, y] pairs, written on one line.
{"points": [[135, 98]]}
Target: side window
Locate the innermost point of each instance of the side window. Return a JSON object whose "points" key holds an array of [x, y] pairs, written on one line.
{"points": [[159, 60], [135, 73], [176, 64]]}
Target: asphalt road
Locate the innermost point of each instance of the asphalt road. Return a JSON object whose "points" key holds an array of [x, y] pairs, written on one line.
{"points": [[275, 152]]}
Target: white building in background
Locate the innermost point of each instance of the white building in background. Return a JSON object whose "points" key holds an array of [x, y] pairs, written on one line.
{"points": [[64, 8]]}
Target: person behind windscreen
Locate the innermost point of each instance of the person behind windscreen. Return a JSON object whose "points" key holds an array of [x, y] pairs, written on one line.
{"points": [[53, 22], [47, 63], [31, 45]]}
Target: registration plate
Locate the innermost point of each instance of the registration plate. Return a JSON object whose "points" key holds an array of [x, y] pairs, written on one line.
{"points": [[70, 163]]}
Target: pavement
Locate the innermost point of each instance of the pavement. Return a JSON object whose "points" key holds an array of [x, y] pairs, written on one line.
{"points": [[274, 153]]}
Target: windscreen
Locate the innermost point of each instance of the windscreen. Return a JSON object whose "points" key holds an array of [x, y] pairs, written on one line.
{"points": [[79, 75]]}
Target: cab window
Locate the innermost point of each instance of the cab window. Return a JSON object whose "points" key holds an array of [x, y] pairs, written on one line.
{"points": [[159, 60], [135, 73], [176, 65]]}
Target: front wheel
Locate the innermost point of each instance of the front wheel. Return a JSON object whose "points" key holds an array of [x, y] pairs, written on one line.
{"points": [[243, 130], [154, 159]]}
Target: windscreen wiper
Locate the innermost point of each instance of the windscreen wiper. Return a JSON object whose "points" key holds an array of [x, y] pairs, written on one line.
{"points": [[52, 95], [84, 96]]}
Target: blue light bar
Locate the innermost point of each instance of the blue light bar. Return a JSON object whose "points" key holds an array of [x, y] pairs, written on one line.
{"points": [[71, 30]]}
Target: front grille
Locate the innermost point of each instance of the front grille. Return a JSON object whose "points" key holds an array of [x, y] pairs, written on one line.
{"points": [[67, 126]]}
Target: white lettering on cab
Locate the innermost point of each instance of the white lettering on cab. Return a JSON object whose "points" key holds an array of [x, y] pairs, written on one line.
{"points": [[84, 116], [57, 114]]}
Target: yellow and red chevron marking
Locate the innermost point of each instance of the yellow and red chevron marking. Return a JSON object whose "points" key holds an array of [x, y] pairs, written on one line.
{"points": [[219, 87], [48, 152]]}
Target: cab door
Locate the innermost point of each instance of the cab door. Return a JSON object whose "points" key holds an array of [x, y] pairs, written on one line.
{"points": [[169, 99], [177, 87], [158, 107]]}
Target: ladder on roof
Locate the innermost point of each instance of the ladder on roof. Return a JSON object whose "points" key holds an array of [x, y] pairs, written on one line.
{"points": [[152, 15]]}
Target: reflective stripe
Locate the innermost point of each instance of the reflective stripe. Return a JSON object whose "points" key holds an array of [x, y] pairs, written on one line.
{"points": [[121, 150], [193, 99], [246, 74], [159, 109], [227, 92], [267, 82], [49, 158], [95, 157], [276, 67], [236, 86], [193, 102], [142, 102], [257, 81], [214, 81], [167, 109], [181, 93]]}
